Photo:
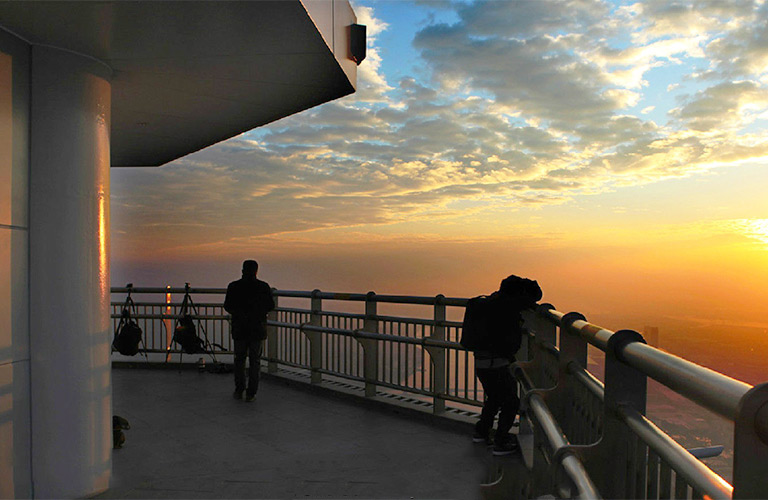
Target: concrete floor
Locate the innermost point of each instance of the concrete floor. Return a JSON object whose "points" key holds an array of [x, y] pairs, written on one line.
{"points": [[190, 439]]}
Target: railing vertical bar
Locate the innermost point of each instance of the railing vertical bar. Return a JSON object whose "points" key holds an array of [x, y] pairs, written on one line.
{"points": [[696, 495], [422, 370], [399, 354], [328, 359], [641, 469], [348, 368], [665, 481], [287, 336], [289, 343], [466, 372], [293, 343], [337, 342], [282, 336], [391, 361], [413, 358], [631, 466], [457, 373], [681, 488], [424, 367]]}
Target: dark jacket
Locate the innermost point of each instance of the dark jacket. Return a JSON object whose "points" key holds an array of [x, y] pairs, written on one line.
{"points": [[249, 300]]}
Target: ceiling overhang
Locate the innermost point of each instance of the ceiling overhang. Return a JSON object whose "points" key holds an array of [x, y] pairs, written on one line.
{"points": [[188, 74]]}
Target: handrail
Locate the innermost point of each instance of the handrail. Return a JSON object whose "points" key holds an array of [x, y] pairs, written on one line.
{"points": [[696, 473], [572, 466], [713, 390], [394, 299]]}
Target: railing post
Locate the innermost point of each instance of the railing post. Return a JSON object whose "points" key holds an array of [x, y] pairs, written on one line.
{"points": [[544, 332], [315, 338], [750, 444], [572, 346], [437, 354], [272, 338], [624, 386], [573, 349], [535, 322], [370, 346]]}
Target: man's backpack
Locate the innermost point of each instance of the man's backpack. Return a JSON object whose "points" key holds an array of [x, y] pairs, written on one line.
{"points": [[493, 323], [186, 336], [128, 338], [477, 328]]}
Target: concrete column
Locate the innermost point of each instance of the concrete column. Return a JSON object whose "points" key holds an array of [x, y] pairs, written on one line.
{"points": [[71, 393], [15, 440]]}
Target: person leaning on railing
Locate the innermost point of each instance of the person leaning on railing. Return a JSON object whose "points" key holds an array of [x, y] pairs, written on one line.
{"points": [[248, 300], [494, 356]]}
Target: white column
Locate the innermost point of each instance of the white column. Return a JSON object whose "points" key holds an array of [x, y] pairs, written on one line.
{"points": [[71, 400]]}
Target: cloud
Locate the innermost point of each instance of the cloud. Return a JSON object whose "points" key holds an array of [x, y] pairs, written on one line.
{"points": [[728, 105], [517, 104]]}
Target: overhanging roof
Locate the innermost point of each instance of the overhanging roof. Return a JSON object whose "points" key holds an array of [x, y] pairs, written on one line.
{"points": [[190, 74]]}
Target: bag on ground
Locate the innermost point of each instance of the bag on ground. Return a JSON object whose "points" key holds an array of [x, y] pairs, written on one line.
{"points": [[128, 338], [186, 336]]}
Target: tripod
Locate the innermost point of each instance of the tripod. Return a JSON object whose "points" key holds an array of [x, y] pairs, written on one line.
{"points": [[188, 314], [127, 314]]}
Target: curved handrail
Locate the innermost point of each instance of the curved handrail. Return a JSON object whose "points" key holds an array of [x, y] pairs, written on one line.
{"points": [[681, 460], [709, 388]]}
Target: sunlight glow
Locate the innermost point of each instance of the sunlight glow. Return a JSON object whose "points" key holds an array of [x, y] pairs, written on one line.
{"points": [[754, 228]]}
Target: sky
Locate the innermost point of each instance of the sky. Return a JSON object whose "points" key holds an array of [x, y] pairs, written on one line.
{"points": [[616, 151]]}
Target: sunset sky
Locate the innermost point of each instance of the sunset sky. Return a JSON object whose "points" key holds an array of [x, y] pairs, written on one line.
{"points": [[617, 152]]}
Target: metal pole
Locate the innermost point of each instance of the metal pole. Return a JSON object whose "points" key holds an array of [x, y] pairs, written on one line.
{"points": [[437, 354], [272, 337], [315, 338], [370, 346]]}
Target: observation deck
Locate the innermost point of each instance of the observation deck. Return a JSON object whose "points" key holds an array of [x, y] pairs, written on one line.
{"points": [[190, 439], [581, 436]]}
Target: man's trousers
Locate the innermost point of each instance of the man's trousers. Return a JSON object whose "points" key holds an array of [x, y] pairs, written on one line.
{"points": [[500, 395], [252, 349]]}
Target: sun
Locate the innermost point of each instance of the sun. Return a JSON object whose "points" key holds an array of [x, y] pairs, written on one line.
{"points": [[754, 228]]}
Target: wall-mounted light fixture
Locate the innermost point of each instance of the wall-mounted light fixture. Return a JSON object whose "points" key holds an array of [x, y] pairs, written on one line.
{"points": [[357, 42]]}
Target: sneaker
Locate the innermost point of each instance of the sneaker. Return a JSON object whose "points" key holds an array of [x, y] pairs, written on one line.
{"points": [[505, 446], [249, 398], [481, 437], [237, 395]]}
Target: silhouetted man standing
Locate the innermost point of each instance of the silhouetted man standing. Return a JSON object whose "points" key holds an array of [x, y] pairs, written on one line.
{"points": [[248, 300]]}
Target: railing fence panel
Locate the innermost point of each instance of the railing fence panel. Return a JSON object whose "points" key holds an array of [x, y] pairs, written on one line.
{"points": [[344, 335]]}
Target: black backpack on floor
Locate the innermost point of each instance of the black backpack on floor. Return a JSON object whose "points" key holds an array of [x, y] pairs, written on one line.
{"points": [[186, 336], [127, 338]]}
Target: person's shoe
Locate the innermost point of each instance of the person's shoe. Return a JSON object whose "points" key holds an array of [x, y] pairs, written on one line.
{"points": [[249, 398], [505, 445], [237, 395], [481, 437]]}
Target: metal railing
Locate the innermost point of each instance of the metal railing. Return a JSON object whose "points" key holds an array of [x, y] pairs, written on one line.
{"points": [[623, 452], [590, 438]]}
